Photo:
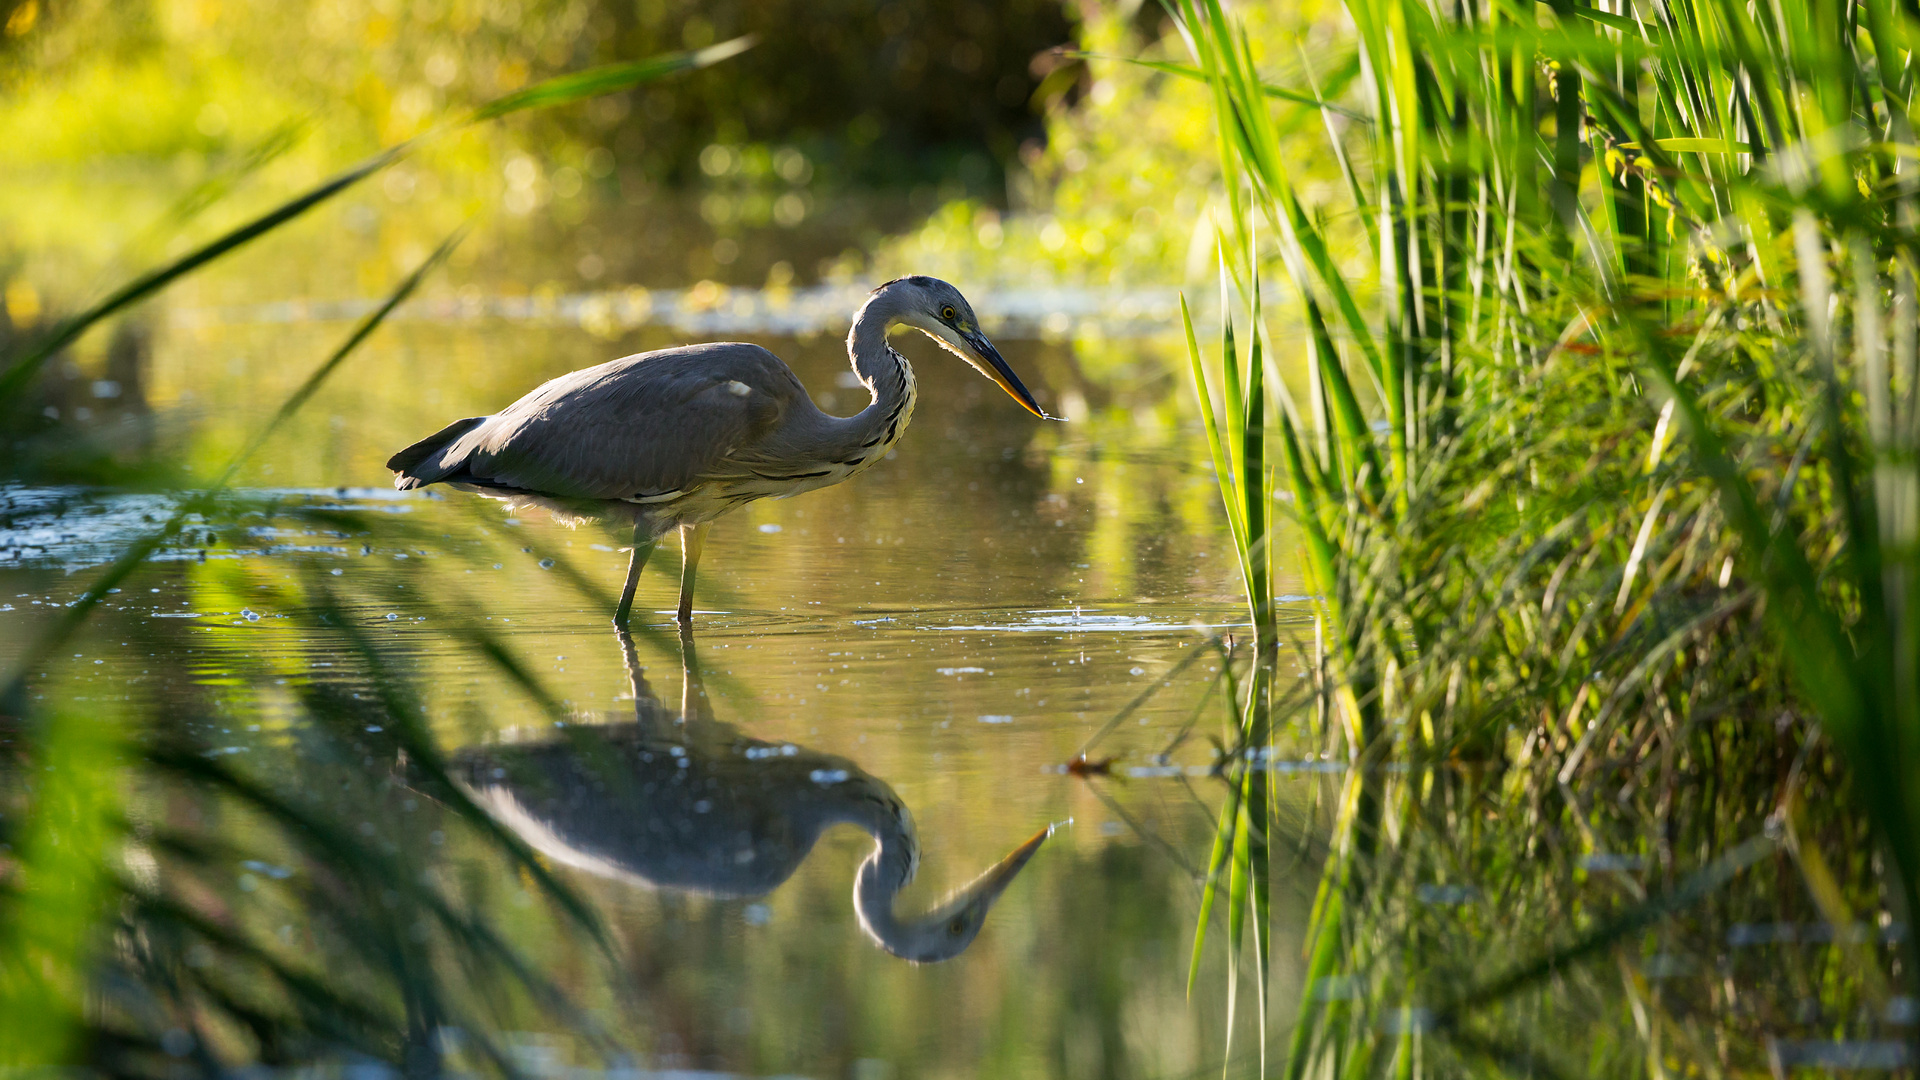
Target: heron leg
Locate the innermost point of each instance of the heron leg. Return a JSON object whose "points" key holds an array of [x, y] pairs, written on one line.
{"points": [[692, 539], [642, 547]]}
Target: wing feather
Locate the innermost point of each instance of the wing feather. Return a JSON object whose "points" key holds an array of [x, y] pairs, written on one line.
{"points": [[632, 428]]}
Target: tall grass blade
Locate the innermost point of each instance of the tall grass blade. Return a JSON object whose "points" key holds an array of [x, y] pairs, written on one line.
{"points": [[57, 886], [1188, 71], [607, 79], [361, 332], [1216, 445], [20, 372], [49, 641]]}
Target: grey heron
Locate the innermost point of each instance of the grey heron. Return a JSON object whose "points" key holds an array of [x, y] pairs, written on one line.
{"points": [[690, 803], [678, 437]]}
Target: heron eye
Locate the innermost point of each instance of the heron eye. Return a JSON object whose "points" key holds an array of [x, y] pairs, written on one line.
{"points": [[957, 927], [947, 313]]}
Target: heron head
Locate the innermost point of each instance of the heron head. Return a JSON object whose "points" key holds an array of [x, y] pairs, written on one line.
{"points": [[938, 310], [947, 930]]}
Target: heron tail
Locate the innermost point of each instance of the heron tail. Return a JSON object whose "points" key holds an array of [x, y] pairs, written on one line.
{"points": [[408, 464]]}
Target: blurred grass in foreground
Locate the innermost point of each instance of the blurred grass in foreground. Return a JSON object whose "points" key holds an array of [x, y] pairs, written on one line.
{"points": [[115, 949]]}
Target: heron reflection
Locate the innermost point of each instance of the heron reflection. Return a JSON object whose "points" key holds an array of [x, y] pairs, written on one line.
{"points": [[684, 801]]}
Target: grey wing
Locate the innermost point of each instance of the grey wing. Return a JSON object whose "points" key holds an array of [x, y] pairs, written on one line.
{"points": [[635, 428]]}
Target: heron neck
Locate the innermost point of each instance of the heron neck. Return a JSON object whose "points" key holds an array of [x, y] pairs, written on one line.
{"points": [[882, 370]]}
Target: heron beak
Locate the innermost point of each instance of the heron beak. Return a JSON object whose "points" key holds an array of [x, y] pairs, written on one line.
{"points": [[988, 886], [987, 358]]}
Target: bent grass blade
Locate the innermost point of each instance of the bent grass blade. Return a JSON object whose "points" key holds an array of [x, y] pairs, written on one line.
{"points": [[43, 646]]}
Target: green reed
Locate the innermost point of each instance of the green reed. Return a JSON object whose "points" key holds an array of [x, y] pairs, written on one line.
{"points": [[1238, 450], [1631, 374]]}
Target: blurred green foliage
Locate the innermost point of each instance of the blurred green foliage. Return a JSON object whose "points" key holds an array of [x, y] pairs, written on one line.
{"points": [[1125, 189], [906, 91], [136, 127]]}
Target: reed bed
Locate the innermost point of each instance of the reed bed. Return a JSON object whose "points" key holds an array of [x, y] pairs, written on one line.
{"points": [[1603, 480]]}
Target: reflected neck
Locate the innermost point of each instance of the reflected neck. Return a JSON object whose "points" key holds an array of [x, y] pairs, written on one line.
{"points": [[890, 867]]}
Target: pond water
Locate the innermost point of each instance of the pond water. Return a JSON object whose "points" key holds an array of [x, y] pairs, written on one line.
{"points": [[904, 666], [936, 639]]}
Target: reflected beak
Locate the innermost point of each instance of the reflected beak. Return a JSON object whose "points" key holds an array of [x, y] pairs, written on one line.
{"points": [[985, 357], [988, 886]]}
